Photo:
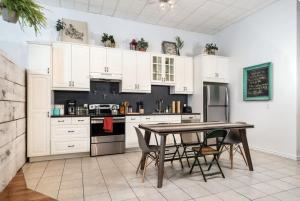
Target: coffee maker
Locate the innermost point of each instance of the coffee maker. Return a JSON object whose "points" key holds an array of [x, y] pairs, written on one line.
{"points": [[70, 107]]}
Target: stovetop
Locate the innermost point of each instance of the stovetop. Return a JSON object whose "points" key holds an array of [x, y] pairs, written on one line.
{"points": [[106, 115]]}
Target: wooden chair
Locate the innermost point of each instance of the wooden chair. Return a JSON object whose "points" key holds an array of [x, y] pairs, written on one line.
{"points": [[232, 144], [151, 152], [205, 150]]}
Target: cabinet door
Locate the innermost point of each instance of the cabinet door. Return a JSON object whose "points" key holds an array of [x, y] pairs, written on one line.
{"points": [[81, 67], [169, 70], [129, 83], [38, 101], [156, 68], [222, 69], [188, 75], [39, 58], [62, 69], [209, 67], [143, 71], [97, 60], [114, 60], [131, 137], [179, 73]]}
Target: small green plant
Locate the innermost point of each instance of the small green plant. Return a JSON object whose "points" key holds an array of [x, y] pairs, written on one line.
{"points": [[179, 44], [142, 45], [108, 40], [211, 48], [28, 13], [60, 25]]}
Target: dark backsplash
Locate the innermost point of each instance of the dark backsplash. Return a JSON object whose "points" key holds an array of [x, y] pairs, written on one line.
{"points": [[108, 92]]}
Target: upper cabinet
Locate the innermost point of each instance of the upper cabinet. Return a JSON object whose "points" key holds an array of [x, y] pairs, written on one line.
{"points": [[163, 69], [184, 72], [106, 63], [71, 67], [39, 58], [214, 68], [136, 72]]}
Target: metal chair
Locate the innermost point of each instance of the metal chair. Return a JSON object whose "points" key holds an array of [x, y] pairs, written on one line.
{"points": [[205, 150], [151, 151], [232, 144]]}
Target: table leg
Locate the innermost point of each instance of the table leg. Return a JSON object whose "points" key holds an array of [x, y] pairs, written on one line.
{"points": [[246, 148], [161, 163], [147, 139]]}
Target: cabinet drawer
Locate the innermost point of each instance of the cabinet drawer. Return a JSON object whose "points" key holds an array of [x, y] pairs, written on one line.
{"points": [[81, 120], [70, 131], [133, 119], [67, 147], [168, 118], [145, 119], [61, 121]]}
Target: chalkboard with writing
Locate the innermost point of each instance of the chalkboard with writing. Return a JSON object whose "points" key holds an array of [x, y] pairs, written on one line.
{"points": [[257, 82]]}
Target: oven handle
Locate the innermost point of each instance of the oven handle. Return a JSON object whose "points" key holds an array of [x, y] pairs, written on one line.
{"points": [[100, 121]]}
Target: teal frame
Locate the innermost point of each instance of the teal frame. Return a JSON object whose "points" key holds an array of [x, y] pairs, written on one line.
{"points": [[268, 65]]}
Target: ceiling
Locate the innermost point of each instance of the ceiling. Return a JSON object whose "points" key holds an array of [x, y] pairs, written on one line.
{"points": [[202, 16]]}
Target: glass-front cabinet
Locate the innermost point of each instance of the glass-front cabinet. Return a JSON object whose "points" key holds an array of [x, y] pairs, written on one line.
{"points": [[163, 69]]}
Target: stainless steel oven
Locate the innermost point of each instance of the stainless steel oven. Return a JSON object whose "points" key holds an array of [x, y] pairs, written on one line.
{"points": [[103, 143]]}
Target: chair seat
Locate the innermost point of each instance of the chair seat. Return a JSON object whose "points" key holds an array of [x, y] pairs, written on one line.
{"points": [[154, 148], [205, 150]]}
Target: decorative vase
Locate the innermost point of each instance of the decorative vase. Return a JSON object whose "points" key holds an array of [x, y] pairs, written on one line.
{"points": [[142, 49], [9, 16]]}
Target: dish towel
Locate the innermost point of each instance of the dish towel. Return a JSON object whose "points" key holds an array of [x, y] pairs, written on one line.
{"points": [[108, 124]]}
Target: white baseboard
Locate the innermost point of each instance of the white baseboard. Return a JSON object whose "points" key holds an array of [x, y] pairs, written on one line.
{"points": [[289, 156]]}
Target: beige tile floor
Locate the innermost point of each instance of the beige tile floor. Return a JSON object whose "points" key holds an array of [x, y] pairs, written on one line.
{"points": [[113, 178]]}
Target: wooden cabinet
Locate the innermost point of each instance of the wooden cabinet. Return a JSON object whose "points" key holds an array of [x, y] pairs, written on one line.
{"points": [[106, 63], [38, 114], [184, 76], [39, 58], [71, 67], [163, 69], [70, 135], [136, 72], [214, 68]]}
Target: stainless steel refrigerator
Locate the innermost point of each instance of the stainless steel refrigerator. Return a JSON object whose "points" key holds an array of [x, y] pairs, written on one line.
{"points": [[216, 102]]}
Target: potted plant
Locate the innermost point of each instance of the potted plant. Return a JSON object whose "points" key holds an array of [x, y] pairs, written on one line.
{"points": [[27, 12], [142, 45], [108, 40], [211, 48], [60, 26], [179, 44]]}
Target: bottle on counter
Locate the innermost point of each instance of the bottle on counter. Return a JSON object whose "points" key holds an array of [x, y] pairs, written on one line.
{"points": [[173, 107], [178, 107]]}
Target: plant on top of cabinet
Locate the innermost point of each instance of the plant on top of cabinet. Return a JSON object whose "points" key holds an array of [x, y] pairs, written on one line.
{"points": [[133, 44], [179, 44], [60, 25], [142, 45], [108, 40], [211, 49], [27, 12]]}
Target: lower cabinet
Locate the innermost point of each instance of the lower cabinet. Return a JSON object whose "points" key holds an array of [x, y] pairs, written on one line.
{"points": [[70, 135], [134, 121]]}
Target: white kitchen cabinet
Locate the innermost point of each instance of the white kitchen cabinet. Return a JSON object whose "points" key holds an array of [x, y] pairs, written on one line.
{"points": [[38, 115], [131, 139], [39, 58], [184, 76], [136, 72], [163, 69], [70, 135], [214, 68], [70, 67], [105, 63]]}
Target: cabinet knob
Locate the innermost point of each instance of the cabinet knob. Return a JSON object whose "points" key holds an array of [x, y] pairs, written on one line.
{"points": [[70, 146]]}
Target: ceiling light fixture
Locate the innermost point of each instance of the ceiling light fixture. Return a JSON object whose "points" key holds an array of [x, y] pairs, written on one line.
{"points": [[166, 4]]}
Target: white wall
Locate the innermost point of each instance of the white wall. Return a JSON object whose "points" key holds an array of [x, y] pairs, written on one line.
{"points": [[267, 36], [298, 76], [12, 39]]}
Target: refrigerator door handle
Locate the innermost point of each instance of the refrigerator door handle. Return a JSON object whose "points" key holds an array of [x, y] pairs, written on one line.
{"points": [[208, 95], [227, 105]]}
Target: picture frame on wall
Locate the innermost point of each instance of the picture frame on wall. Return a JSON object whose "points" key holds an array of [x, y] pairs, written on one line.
{"points": [[75, 31], [169, 47], [258, 82]]}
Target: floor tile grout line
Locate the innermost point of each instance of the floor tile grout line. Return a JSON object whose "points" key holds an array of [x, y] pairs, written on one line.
{"points": [[41, 176], [82, 179], [125, 179], [61, 179], [103, 177]]}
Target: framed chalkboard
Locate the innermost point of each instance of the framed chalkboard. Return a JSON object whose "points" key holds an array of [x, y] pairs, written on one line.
{"points": [[257, 82]]}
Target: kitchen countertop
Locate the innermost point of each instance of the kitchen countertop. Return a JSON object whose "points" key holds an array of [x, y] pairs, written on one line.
{"points": [[133, 114]]}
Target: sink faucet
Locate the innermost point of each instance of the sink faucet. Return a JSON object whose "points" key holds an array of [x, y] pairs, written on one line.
{"points": [[159, 105]]}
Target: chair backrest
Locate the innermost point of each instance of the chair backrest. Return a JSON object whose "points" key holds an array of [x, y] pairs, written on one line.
{"points": [[189, 138], [219, 135], [142, 143]]}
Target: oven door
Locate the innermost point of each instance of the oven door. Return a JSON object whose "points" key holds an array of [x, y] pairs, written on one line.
{"points": [[97, 127]]}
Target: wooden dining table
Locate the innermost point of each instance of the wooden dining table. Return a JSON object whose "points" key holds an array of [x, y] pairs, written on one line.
{"points": [[163, 130]]}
